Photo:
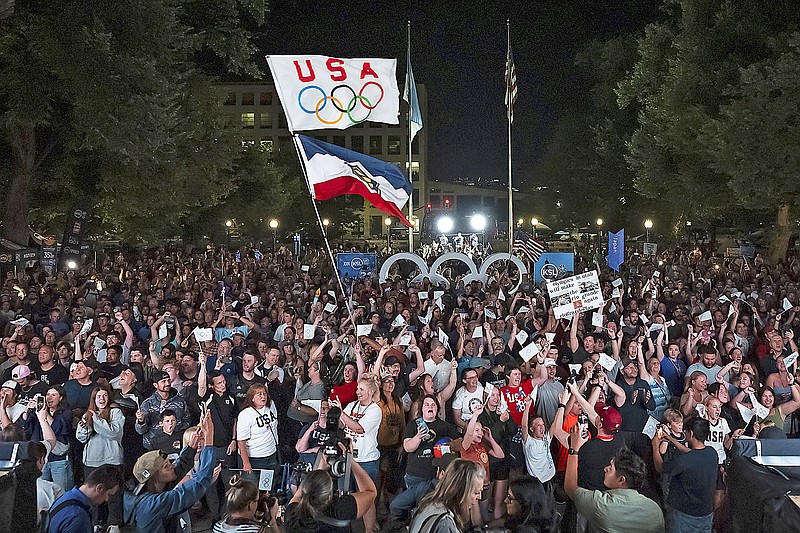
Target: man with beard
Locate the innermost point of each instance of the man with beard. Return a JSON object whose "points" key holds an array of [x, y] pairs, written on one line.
{"points": [[707, 364], [245, 378], [164, 397]]}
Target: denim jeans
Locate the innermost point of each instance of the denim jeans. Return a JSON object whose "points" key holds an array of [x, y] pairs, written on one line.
{"points": [[413, 481], [683, 523], [60, 473]]}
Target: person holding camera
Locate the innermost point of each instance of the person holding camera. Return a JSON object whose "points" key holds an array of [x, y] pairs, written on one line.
{"points": [[246, 510], [315, 507]]}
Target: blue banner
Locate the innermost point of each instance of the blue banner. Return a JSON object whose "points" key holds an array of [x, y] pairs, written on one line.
{"points": [[616, 249], [355, 266], [552, 266]]}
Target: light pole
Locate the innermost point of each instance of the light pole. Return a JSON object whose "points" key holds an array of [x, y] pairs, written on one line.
{"points": [[388, 222], [534, 223], [274, 225], [648, 225], [228, 226], [599, 223]]}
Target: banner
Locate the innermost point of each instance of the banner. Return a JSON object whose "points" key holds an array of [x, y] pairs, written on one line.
{"points": [[616, 249], [74, 232], [576, 293], [49, 255], [551, 266], [356, 266], [319, 92]]}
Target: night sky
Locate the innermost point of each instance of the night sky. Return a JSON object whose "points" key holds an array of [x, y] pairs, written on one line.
{"points": [[459, 52]]}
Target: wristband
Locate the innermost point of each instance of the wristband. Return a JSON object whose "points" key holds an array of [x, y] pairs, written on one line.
{"points": [[572, 451], [561, 405]]}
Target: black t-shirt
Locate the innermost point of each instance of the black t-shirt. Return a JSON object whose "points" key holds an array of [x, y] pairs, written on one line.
{"points": [[168, 444], [593, 457], [223, 412], [239, 385], [419, 461], [580, 355], [341, 508], [638, 399], [694, 481], [110, 371], [55, 376]]}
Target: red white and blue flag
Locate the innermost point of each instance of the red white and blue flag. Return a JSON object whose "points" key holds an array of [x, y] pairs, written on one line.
{"points": [[333, 171]]}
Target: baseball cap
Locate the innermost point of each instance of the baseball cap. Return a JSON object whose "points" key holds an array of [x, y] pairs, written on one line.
{"points": [[11, 384], [549, 362], [146, 466], [627, 360], [479, 362], [610, 417], [444, 461], [158, 375], [503, 359], [391, 360], [20, 372]]}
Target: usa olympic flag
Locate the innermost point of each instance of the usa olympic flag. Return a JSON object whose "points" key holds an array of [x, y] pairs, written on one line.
{"points": [[333, 171], [320, 92]]}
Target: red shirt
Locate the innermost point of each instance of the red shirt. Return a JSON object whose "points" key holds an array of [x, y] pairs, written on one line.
{"points": [[477, 453], [346, 392], [515, 398]]}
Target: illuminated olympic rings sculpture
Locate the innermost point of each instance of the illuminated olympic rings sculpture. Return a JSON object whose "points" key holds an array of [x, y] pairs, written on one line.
{"points": [[339, 94], [475, 273]]}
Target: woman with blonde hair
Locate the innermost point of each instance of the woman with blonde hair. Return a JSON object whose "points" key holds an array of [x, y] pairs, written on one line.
{"points": [[447, 509], [361, 420]]}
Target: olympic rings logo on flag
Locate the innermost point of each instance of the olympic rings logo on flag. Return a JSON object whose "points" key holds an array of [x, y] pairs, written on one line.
{"points": [[358, 109]]}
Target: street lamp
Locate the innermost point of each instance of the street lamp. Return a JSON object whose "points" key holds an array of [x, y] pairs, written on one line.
{"points": [[228, 226], [599, 223], [648, 225], [534, 223], [274, 225], [388, 222]]}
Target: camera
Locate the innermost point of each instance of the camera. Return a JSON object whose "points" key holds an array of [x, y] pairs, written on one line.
{"points": [[263, 505], [329, 439]]}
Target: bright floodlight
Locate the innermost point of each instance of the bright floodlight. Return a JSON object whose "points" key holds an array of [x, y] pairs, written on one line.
{"points": [[273, 223], [648, 224], [72, 265], [445, 225], [478, 222], [599, 221]]}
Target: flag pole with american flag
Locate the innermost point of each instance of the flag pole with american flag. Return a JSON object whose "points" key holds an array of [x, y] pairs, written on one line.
{"points": [[511, 97]]}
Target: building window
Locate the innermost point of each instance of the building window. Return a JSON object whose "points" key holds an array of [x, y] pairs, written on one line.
{"points": [[338, 140], [248, 120], [357, 143], [375, 145], [375, 225], [435, 200], [265, 120], [323, 138], [248, 99], [248, 143], [284, 143], [265, 99], [266, 144], [375, 125], [282, 121], [394, 145], [230, 99]]}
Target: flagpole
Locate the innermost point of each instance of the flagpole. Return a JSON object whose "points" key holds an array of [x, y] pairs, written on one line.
{"points": [[322, 226], [508, 116], [410, 173]]}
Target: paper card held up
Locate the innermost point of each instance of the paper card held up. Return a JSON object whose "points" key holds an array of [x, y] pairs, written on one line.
{"points": [[617, 282], [308, 331], [705, 316], [607, 362], [363, 330], [477, 333], [597, 320], [329, 307], [203, 334], [529, 352], [521, 337]]}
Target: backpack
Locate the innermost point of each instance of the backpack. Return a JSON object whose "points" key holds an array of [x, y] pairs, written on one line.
{"points": [[47, 516]]}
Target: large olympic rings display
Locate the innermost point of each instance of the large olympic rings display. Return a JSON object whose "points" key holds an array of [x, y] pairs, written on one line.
{"points": [[476, 274], [338, 95]]}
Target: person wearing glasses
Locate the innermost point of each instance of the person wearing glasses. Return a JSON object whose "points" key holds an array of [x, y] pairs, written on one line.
{"points": [[530, 507]]}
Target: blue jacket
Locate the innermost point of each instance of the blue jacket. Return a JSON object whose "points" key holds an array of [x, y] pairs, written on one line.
{"points": [[72, 518], [151, 512]]}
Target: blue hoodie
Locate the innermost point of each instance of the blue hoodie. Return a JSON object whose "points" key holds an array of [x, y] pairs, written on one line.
{"points": [[151, 512]]}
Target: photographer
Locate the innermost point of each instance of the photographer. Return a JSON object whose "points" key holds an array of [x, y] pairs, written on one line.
{"points": [[315, 506], [247, 511]]}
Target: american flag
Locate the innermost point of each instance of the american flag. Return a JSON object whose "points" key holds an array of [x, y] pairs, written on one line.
{"points": [[511, 84], [530, 247]]}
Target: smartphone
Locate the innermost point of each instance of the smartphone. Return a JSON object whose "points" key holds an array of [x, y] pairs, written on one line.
{"points": [[411, 329], [39, 402]]}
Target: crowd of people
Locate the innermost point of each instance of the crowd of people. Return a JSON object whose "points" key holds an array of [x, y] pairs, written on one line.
{"points": [[160, 385]]}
